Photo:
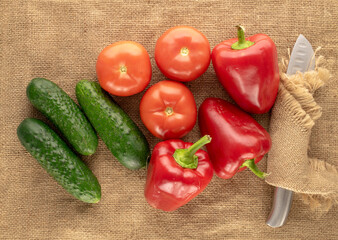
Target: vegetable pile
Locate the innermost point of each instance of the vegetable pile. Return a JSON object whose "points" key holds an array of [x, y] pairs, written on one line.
{"points": [[177, 171]]}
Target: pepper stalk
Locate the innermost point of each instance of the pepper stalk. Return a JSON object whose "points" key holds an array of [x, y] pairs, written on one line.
{"points": [[250, 163], [241, 43], [186, 158]]}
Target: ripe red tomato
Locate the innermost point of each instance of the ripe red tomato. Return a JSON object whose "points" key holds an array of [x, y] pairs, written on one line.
{"points": [[168, 110], [182, 53], [123, 68]]}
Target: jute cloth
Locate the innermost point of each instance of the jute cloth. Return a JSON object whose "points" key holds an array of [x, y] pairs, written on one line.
{"points": [[60, 40], [293, 116]]}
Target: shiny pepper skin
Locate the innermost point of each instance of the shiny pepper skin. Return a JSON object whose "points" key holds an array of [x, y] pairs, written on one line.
{"points": [[236, 137], [169, 185], [250, 75]]}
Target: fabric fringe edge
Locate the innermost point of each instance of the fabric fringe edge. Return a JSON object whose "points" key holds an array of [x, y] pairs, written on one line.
{"points": [[298, 114], [321, 203], [296, 91]]}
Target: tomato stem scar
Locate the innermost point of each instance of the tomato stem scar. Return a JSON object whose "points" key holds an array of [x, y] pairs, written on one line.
{"points": [[184, 51], [123, 69], [169, 111]]}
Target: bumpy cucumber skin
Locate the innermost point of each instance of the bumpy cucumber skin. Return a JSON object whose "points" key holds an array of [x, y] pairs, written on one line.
{"points": [[117, 130], [57, 106], [58, 160]]}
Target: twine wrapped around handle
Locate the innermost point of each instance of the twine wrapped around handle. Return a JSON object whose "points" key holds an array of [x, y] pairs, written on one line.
{"points": [[292, 118]]}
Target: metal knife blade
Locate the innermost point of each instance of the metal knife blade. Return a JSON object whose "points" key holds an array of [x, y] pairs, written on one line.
{"points": [[302, 59]]}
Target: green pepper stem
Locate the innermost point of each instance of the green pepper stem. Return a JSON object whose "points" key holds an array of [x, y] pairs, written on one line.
{"points": [[186, 158], [240, 34], [250, 163], [241, 43]]}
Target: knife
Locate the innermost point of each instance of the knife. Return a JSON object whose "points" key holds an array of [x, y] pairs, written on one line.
{"points": [[301, 60]]}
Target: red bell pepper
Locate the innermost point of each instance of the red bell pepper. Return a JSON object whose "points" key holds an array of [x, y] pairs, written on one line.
{"points": [[248, 70], [238, 141], [177, 172]]}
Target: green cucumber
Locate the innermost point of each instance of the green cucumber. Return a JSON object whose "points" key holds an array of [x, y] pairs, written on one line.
{"points": [[58, 160], [117, 130], [57, 106]]}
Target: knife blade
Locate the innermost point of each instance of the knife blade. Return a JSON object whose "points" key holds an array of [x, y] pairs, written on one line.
{"points": [[301, 60]]}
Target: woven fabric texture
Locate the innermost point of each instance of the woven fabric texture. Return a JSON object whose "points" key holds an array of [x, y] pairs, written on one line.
{"points": [[60, 41]]}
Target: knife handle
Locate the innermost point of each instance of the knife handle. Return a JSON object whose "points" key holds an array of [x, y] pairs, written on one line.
{"points": [[280, 208]]}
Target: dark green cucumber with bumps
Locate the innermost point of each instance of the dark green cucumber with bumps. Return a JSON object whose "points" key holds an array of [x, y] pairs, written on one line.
{"points": [[117, 130], [66, 115], [59, 160]]}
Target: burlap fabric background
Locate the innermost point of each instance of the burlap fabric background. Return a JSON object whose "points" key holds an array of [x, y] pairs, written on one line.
{"points": [[60, 40]]}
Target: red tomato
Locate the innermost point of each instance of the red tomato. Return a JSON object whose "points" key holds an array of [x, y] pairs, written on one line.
{"points": [[182, 53], [123, 68], [168, 110]]}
